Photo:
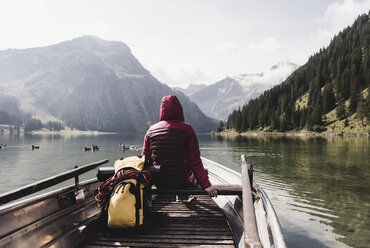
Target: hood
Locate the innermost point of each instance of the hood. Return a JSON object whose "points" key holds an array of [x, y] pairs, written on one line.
{"points": [[171, 109]]}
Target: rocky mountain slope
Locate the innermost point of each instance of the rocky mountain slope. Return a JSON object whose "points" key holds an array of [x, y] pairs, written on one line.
{"points": [[89, 84]]}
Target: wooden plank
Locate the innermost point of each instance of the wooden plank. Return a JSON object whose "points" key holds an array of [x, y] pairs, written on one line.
{"points": [[188, 215], [223, 190], [184, 207], [209, 221], [173, 196], [170, 233], [136, 242], [179, 210], [164, 236], [156, 245], [187, 211], [188, 232], [187, 206], [200, 229], [188, 225], [173, 206], [183, 227], [222, 225], [214, 227], [192, 205]]}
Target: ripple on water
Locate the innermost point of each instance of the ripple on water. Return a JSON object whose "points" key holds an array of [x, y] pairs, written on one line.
{"points": [[319, 188]]}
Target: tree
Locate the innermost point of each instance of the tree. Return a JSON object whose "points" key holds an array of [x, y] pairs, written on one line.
{"points": [[303, 118], [341, 110], [361, 111], [346, 122], [353, 101], [220, 127], [328, 98], [283, 123], [32, 125], [54, 126], [4, 117], [367, 107]]}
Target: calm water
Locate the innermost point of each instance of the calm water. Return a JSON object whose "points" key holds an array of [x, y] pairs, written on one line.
{"points": [[320, 187]]}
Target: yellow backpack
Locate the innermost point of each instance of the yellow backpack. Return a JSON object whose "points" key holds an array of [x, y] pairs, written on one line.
{"points": [[130, 200]]}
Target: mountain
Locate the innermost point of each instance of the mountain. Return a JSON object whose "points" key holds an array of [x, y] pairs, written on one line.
{"points": [[89, 84], [191, 89], [221, 98], [330, 92]]}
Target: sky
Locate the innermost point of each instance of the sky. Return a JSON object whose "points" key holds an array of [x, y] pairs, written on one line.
{"points": [[186, 41]]}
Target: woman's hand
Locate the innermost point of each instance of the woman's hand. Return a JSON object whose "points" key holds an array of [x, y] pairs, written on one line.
{"points": [[212, 191]]}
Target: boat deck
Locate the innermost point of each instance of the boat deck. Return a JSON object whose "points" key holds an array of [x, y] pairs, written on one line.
{"points": [[197, 223]]}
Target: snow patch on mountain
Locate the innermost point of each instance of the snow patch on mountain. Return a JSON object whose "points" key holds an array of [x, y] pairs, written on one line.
{"points": [[275, 75], [221, 98], [191, 89]]}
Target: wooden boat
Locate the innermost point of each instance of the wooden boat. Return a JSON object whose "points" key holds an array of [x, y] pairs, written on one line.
{"points": [[69, 217]]}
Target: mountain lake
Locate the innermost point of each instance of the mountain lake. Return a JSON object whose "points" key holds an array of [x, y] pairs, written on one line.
{"points": [[320, 187]]}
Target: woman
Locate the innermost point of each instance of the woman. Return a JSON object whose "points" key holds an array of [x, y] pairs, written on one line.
{"points": [[173, 144]]}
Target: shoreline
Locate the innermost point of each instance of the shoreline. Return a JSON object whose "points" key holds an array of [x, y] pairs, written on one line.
{"points": [[302, 133], [61, 132], [71, 132]]}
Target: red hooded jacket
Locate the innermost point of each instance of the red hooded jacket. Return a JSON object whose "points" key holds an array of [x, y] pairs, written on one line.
{"points": [[173, 144]]}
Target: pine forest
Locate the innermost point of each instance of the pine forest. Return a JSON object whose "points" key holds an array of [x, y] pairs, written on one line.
{"points": [[328, 93]]}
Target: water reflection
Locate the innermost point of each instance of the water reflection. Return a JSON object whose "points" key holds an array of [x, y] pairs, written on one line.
{"points": [[318, 186], [20, 165], [322, 182]]}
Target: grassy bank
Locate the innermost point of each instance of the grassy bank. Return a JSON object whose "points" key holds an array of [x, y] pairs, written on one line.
{"points": [[344, 132]]}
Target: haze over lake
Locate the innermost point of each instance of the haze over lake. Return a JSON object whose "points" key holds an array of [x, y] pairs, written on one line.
{"points": [[318, 186]]}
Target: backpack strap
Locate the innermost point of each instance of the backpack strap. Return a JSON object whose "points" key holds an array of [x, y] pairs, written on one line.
{"points": [[138, 196]]}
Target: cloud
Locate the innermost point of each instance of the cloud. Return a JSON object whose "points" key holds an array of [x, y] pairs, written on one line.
{"points": [[225, 46], [181, 75], [269, 44], [338, 16], [236, 59]]}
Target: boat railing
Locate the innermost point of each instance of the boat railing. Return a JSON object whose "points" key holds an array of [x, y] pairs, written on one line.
{"points": [[251, 237], [48, 182]]}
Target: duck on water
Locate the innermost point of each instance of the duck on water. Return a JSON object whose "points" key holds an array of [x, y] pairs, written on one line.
{"points": [[33, 147], [241, 215], [93, 148]]}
